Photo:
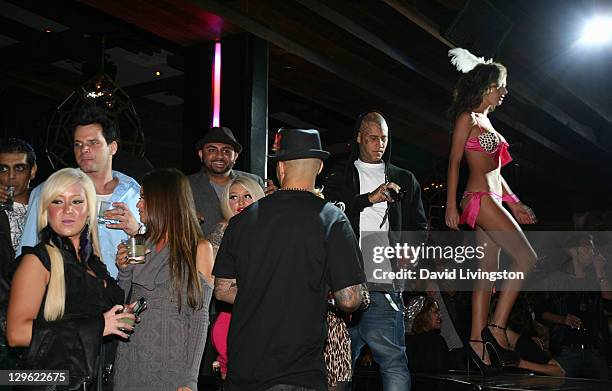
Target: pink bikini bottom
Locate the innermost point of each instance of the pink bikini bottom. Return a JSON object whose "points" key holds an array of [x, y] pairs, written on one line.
{"points": [[472, 208]]}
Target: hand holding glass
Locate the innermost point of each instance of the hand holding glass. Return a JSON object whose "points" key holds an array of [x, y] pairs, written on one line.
{"points": [[8, 204], [135, 308], [104, 206], [136, 249]]}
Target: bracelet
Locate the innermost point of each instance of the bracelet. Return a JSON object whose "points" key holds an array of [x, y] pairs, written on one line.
{"points": [[511, 198]]}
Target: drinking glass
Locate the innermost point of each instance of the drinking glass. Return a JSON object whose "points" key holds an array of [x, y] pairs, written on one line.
{"points": [[136, 249], [8, 204], [104, 206]]}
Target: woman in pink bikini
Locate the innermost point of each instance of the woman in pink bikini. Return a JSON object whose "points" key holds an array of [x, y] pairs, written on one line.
{"points": [[478, 92]]}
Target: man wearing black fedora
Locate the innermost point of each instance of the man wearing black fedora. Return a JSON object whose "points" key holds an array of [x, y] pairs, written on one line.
{"points": [[277, 262], [218, 151]]}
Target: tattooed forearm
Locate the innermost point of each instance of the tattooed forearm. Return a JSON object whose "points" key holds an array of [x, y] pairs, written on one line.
{"points": [[216, 235], [226, 289], [349, 298]]}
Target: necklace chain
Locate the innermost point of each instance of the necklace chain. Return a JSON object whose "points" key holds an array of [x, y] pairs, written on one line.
{"points": [[295, 189]]}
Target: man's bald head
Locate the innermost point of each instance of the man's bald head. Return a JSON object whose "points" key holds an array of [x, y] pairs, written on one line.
{"points": [[373, 118], [298, 170], [372, 137]]}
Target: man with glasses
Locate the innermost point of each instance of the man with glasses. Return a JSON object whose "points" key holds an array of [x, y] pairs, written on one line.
{"points": [[96, 141], [380, 200]]}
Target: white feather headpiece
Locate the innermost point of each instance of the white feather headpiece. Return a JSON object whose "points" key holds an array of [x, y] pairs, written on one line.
{"points": [[465, 61]]}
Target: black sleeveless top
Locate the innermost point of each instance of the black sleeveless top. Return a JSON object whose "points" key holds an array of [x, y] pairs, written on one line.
{"points": [[86, 295], [74, 341]]}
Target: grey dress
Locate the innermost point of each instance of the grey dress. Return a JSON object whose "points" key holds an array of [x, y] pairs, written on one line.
{"points": [[165, 350]]}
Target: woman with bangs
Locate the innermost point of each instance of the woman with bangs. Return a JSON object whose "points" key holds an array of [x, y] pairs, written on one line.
{"points": [[478, 92], [176, 281], [63, 301], [239, 194]]}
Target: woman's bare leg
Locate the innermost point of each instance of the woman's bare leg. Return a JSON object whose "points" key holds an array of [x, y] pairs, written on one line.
{"points": [[501, 227], [481, 295]]}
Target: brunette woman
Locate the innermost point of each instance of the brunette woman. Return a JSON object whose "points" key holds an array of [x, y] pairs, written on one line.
{"points": [[478, 92]]}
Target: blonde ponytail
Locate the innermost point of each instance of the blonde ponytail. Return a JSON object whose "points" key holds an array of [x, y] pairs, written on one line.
{"points": [[56, 291]]}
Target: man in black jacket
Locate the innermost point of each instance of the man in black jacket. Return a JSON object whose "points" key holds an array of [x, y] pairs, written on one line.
{"points": [[17, 169], [383, 203]]}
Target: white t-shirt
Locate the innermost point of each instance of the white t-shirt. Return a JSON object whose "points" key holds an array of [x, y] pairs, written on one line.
{"points": [[372, 175]]}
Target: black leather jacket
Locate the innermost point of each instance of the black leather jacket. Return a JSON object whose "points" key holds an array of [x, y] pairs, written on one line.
{"points": [[73, 342]]}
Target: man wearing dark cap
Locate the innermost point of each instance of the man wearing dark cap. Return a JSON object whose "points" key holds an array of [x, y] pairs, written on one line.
{"points": [[218, 151], [277, 263]]}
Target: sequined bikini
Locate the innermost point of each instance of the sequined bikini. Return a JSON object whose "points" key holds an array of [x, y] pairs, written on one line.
{"points": [[491, 144]]}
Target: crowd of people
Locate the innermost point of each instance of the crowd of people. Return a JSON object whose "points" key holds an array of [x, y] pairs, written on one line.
{"points": [[270, 282]]}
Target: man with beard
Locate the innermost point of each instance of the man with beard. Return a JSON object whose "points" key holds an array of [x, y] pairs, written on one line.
{"points": [[218, 151]]}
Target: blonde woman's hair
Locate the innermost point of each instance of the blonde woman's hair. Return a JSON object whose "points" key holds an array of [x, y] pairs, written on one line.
{"points": [[252, 187], [58, 182]]}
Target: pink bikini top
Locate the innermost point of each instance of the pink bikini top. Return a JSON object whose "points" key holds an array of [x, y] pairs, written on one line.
{"points": [[491, 143]]}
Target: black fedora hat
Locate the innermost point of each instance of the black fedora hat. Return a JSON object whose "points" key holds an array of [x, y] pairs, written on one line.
{"points": [[219, 134], [291, 144]]}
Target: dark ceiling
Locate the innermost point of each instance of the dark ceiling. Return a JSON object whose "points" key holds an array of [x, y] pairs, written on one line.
{"points": [[329, 61]]}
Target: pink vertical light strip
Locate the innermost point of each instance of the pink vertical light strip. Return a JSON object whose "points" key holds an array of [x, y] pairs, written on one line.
{"points": [[216, 93]]}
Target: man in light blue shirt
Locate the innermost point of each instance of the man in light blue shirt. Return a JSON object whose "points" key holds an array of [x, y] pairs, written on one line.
{"points": [[95, 138]]}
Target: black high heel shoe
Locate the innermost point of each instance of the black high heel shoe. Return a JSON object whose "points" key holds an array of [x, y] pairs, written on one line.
{"points": [[506, 357], [484, 369]]}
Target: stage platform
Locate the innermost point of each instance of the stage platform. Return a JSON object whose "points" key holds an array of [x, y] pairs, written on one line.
{"points": [[460, 380], [368, 379]]}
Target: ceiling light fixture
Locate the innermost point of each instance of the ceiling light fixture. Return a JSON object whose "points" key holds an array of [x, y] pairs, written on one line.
{"points": [[216, 85], [597, 31]]}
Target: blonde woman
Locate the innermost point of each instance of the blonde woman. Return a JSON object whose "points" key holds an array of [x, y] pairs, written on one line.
{"points": [[240, 193], [63, 300]]}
